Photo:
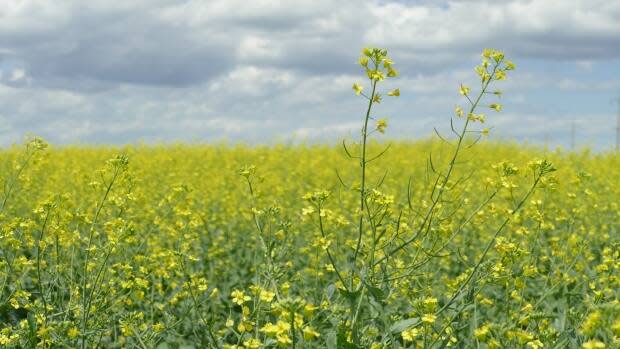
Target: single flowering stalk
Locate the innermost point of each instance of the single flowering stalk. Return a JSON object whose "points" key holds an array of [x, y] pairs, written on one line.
{"points": [[382, 67], [377, 66], [487, 76]]}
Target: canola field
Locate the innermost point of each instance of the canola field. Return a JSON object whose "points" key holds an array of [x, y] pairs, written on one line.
{"points": [[447, 243], [170, 247]]}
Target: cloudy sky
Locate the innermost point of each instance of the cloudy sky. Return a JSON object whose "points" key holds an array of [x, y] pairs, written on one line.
{"points": [[102, 71]]}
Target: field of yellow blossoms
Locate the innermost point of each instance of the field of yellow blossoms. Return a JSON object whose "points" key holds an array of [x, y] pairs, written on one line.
{"points": [[159, 248], [443, 243]]}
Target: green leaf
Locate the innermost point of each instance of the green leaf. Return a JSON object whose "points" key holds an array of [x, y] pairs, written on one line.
{"points": [[351, 296], [343, 343], [377, 293], [402, 325], [332, 340], [331, 289]]}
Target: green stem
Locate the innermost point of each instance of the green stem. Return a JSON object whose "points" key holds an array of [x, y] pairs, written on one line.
{"points": [[363, 180], [354, 331], [86, 300], [195, 301], [329, 255], [40, 283], [293, 328]]}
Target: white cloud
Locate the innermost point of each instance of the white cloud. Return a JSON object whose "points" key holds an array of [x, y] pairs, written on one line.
{"points": [[585, 65], [251, 80], [538, 29], [325, 131], [569, 84], [17, 74]]}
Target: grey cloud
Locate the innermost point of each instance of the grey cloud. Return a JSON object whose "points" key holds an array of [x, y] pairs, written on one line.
{"points": [[90, 45], [178, 43], [565, 30], [183, 69]]}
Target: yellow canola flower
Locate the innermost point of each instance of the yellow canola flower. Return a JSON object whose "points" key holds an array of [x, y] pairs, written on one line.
{"points": [[616, 327], [266, 296], [310, 333], [409, 335], [357, 88], [278, 328], [239, 297], [497, 56], [482, 332], [394, 93], [535, 344], [429, 318], [73, 332], [376, 75], [158, 327], [284, 339], [253, 343], [593, 344], [495, 106], [459, 111], [381, 125], [245, 326]]}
